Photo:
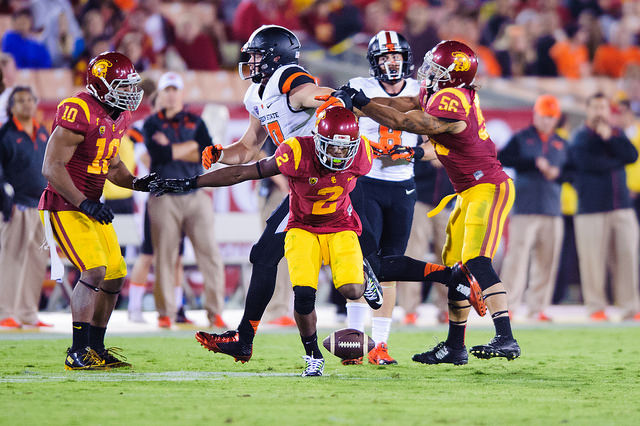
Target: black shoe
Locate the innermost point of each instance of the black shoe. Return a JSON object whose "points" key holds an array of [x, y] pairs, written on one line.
{"points": [[499, 346], [443, 354], [181, 318], [227, 343], [372, 290], [113, 358], [84, 359]]}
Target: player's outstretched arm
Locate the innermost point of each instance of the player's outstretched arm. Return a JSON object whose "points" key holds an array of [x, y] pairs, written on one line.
{"points": [[120, 175], [417, 122], [401, 103], [222, 177], [244, 150], [60, 148], [306, 96]]}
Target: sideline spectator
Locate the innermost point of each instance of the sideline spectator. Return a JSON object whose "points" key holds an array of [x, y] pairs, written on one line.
{"points": [[19, 42], [611, 59], [9, 73], [571, 55], [536, 228], [607, 235], [195, 47], [175, 139], [23, 261]]}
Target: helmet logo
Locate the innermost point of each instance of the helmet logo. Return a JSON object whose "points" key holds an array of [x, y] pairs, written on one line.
{"points": [[100, 68], [461, 60]]}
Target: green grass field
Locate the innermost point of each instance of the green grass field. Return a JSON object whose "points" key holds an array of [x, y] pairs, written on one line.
{"points": [[573, 375]]}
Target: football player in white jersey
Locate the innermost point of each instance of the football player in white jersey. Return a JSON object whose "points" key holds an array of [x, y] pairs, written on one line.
{"points": [[388, 192], [281, 103]]}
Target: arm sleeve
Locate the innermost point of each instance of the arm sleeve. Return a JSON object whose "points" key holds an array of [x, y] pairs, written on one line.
{"points": [[622, 148], [202, 136], [293, 77], [159, 154], [585, 158], [509, 156]]}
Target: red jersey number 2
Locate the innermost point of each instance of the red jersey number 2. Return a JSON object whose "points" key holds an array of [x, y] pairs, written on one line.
{"points": [[327, 205]]}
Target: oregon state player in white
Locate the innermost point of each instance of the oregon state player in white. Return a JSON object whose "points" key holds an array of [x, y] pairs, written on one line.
{"points": [[281, 103]]}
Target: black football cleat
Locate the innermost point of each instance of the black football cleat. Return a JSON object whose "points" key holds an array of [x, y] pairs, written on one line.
{"points": [[372, 290], [466, 284], [443, 354], [227, 343], [113, 358], [499, 346], [84, 359]]}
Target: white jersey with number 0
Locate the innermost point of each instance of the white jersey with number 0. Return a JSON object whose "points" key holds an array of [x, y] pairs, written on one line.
{"points": [[384, 168], [273, 110]]}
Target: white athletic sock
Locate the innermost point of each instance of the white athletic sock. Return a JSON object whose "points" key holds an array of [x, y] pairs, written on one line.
{"points": [[356, 315], [136, 293], [179, 292], [380, 329]]}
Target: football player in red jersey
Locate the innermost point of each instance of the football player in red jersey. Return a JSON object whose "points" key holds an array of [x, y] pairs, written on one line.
{"points": [[81, 154], [323, 227], [448, 111]]}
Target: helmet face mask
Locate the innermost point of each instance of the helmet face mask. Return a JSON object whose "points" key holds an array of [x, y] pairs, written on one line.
{"points": [[337, 138], [113, 80], [383, 43], [268, 48]]}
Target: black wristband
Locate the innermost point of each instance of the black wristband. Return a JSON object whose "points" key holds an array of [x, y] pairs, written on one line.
{"points": [[418, 153], [259, 171]]}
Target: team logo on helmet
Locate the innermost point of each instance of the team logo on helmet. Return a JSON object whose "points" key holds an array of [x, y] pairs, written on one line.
{"points": [[100, 68], [461, 60]]}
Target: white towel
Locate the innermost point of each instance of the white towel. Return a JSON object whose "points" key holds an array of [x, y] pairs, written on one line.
{"points": [[57, 268]]}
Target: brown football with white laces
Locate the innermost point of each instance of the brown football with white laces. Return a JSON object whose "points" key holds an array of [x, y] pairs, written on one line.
{"points": [[348, 343]]}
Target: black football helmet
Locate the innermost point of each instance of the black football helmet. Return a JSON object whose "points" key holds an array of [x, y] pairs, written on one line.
{"points": [[389, 42], [277, 45]]}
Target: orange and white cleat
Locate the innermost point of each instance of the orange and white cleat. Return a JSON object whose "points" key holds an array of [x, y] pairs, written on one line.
{"points": [[227, 343], [472, 287], [380, 355], [354, 361]]}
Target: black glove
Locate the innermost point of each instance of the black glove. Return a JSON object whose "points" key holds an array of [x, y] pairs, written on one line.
{"points": [[344, 98], [95, 209], [6, 200], [142, 184], [159, 187], [358, 98]]}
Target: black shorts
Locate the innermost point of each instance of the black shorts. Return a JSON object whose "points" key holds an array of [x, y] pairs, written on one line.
{"points": [[386, 209]]}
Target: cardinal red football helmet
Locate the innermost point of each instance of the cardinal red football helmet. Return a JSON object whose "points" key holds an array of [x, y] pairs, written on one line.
{"points": [[112, 78], [449, 64], [337, 138]]}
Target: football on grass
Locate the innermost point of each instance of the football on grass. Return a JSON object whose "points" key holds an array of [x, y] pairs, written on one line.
{"points": [[348, 343]]}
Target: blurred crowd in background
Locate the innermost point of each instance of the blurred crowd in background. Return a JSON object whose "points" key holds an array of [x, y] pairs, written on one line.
{"points": [[565, 42]]}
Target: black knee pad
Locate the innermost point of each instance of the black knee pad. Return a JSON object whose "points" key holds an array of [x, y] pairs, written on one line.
{"points": [[304, 300], [482, 269], [455, 295]]}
